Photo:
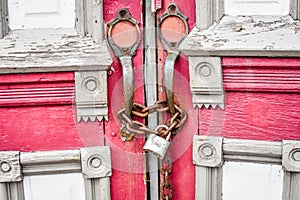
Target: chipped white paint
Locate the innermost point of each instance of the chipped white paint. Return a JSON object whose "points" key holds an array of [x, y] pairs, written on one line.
{"points": [[54, 187], [257, 7], [250, 181], [29, 14], [48, 50], [246, 36]]}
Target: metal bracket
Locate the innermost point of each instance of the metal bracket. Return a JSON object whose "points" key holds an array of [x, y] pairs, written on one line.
{"points": [[10, 167], [207, 151], [206, 81], [91, 95]]}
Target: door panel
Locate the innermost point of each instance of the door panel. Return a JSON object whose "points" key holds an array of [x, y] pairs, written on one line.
{"points": [[252, 181], [54, 187], [128, 162], [183, 175], [28, 14]]}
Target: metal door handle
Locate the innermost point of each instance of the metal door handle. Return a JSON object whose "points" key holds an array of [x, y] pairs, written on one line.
{"points": [[128, 83], [171, 40], [124, 50]]}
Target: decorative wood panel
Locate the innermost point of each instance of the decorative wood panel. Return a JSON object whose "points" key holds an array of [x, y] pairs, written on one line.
{"points": [[180, 152], [53, 163], [262, 100], [37, 89], [128, 161], [279, 75], [252, 152], [31, 14], [257, 7]]}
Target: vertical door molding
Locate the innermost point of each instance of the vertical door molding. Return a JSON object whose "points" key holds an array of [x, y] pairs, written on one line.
{"points": [[208, 158], [96, 169], [3, 18], [11, 186], [291, 164], [208, 12], [295, 9], [210, 152], [93, 162], [89, 19]]}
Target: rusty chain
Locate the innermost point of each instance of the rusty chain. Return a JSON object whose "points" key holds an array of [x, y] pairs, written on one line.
{"points": [[131, 127], [166, 188]]}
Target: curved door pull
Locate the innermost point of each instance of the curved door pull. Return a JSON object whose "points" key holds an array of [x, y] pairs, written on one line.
{"points": [[124, 37], [172, 29]]}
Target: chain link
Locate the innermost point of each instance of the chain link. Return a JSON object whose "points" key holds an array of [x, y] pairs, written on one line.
{"points": [[130, 127], [166, 188]]}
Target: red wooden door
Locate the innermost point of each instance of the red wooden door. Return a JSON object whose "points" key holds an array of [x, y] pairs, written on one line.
{"points": [[130, 165]]}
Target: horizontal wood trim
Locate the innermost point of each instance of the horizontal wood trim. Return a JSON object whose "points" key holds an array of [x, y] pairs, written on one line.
{"points": [[262, 75], [51, 50], [252, 151], [50, 162], [37, 89]]}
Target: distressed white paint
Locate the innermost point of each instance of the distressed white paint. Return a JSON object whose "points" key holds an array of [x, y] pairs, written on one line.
{"points": [[29, 14], [54, 187], [246, 36], [249, 181], [257, 7]]}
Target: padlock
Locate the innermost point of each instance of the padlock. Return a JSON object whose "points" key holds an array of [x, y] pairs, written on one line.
{"points": [[157, 145]]}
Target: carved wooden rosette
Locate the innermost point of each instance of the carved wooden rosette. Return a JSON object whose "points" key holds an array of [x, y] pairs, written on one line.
{"points": [[91, 95], [206, 82]]}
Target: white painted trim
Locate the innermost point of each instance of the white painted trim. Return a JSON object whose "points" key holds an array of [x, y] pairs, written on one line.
{"points": [[60, 162], [50, 162], [87, 22], [206, 82], [254, 151], [259, 36], [257, 7], [208, 183], [91, 95], [291, 186], [3, 18]]}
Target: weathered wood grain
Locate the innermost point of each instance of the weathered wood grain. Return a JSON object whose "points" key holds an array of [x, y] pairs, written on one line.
{"points": [[262, 74], [51, 50], [3, 18], [37, 89], [271, 36], [183, 174], [128, 161], [258, 116]]}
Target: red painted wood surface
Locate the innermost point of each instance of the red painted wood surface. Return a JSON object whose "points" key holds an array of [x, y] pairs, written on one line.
{"points": [[37, 113], [183, 174], [127, 181], [262, 100]]}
